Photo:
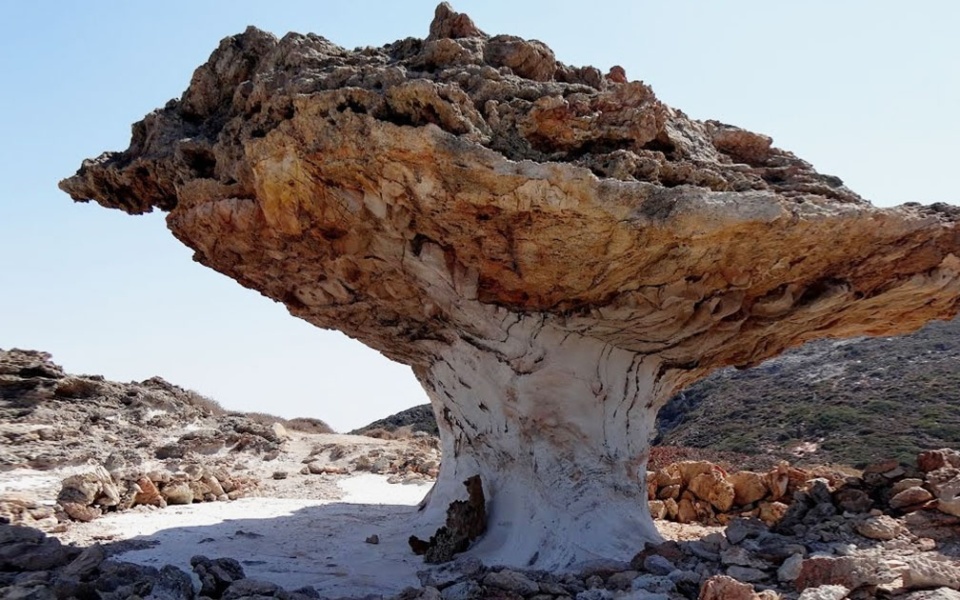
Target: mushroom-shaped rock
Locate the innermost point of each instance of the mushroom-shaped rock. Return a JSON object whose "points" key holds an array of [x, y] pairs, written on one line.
{"points": [[553, 252]]}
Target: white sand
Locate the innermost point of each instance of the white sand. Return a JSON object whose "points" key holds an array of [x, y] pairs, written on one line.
{"points": [[291, 542]]}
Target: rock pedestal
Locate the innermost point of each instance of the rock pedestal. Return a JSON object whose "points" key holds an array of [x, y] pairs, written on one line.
{"points": [[553, 251]]}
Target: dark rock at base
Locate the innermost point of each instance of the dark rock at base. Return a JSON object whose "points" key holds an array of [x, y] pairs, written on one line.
{"points": [[173, 584], [216, 575], [466, 521]]}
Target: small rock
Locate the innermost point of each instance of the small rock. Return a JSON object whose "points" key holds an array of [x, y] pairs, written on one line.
{"points": [[448, 573], [658, 565], [721, 587], [927, 572], [216, 575], [656, 584], [713, 487], [879, 528], [511, 581], [148, 495], [85, 564], [938, 594], [465, 590], [848, 571], [904, 484], [772, 512], [853, 500], [373, 539], [910, 497], [741, 529], [948, 497], [747, 574], [790, 569], [748, 487], [737, 555], [622, 580], [245, 588], [279, 475], [177, 492], [595, 594], [173, 584], [824, 592]]}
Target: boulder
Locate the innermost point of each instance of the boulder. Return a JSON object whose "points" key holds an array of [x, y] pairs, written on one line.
{"points": [[511, 581], [216, 575], [948, 497], [847, 571], [824, 592], [913, 496], [148, 494], [932, 460], [713, 487], [748, 487], [926, 571], [178, 492], [879, 527]]}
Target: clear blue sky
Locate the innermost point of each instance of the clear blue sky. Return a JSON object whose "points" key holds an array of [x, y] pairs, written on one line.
{"points": [[867, 90]]}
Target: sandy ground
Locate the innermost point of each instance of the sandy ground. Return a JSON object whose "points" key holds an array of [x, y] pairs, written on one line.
{"points": [[289, 541], [302, 530]]}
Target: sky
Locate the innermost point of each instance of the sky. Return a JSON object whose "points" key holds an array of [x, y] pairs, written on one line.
{"points": [[867, 90]]}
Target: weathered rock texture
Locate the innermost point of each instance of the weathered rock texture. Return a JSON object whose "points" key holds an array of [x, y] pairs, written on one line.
{"points": [[554, 251]]}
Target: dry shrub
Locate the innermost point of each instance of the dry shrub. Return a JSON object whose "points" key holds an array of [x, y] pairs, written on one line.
{"points": [[308, 425], [403, 433], [204, 404], [262, 418], [380, 433]]}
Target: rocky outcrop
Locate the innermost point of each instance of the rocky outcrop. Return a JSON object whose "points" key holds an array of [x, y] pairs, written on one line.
{"points": [[411, 459], [553, 250]]}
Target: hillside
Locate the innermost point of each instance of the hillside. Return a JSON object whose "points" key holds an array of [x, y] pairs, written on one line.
{"points": [[418, 418], [846, 402]]}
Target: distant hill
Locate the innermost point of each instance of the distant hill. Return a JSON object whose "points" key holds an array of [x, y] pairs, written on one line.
{"points": [[418, 418], [847, 402]]}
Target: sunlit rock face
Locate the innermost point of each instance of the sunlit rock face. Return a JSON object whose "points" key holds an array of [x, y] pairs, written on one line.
{"points": [[554, 251]]}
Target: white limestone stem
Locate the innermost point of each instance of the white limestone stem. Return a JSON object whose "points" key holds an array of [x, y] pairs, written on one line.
{"points": [[558, 426]]}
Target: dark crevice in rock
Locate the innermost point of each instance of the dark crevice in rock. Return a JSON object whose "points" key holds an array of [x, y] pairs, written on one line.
{"points": [[466, 521]]}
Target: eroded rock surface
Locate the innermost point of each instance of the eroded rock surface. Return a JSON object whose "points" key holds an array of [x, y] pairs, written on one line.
{"points": [[554, 251]]}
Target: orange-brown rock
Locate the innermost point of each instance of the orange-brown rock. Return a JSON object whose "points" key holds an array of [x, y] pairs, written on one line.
{"points": [[910, 497], [148, 494], [722, 587], [555, 253], [713, 487], [748, 487], [771, 512]]}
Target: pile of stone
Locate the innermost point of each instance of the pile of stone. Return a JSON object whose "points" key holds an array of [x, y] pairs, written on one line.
{"points": [[86, 496], [38, 567], [744, 561], [409, 460], [703, 492]]}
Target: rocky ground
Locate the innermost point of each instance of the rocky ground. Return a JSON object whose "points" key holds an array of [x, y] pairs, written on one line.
{"points": [[92, 470]]}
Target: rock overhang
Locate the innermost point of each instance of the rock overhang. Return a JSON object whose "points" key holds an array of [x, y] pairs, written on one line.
{"points": [[553, 250]]}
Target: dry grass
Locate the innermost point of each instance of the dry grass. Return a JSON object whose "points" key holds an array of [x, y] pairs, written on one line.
{"points": [[204, 404], [380, 433], [308, 425]]}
